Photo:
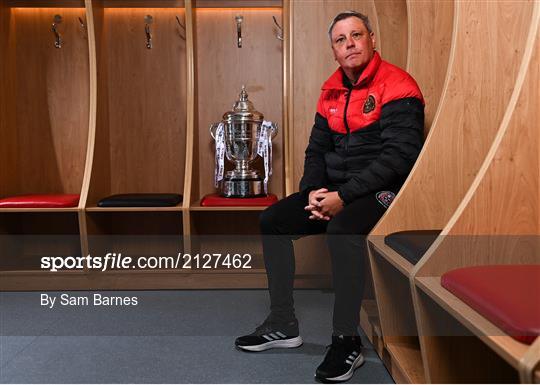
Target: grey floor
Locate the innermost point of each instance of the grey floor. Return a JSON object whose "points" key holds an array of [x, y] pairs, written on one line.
{"points": [[170, 337]]}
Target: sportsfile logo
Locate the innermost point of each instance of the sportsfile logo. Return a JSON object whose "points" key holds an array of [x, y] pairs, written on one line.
{"points": [[117, 261], [109, 261]]}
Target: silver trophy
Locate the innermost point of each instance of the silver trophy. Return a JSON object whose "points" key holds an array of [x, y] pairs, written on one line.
{"points": [[242, 136]]}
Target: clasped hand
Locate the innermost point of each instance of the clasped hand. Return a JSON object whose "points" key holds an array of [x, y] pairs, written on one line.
{"points": [[323, 205]]}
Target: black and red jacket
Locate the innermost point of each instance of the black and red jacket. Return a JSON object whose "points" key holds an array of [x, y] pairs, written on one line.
{"points": [[366, 136]]}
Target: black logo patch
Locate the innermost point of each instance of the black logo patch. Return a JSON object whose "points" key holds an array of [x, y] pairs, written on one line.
{"points": [[385, 198], [369, 104]]}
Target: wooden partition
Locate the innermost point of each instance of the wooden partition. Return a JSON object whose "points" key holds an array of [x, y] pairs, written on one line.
{"points": [[498, 222], [479, 84], [141, 96], [477, 89], [140, 133], [44, 114]]}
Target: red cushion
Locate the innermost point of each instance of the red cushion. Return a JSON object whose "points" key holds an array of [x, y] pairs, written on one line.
{"points": [[213, 200], [507, 295], [40, 201]]}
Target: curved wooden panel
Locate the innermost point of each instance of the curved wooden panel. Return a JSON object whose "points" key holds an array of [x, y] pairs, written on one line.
{"points": [[92, 67], [190, 124], [481, 78], [311, 48], [498, 222], [469, 115], [393, 31], [430, 38], [499, 218], [6, 161], [45, 100]]}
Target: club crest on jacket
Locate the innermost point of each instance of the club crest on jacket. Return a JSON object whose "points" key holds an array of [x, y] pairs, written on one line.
{"points": [[369, 104]]}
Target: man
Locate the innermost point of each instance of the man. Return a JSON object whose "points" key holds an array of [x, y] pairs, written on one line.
{"points": [[367, 135]]}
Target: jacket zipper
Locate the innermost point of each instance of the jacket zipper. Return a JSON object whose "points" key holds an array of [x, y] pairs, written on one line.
{"points": [[345, 121]]}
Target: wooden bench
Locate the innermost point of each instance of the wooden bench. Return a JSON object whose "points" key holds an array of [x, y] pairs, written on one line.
{"points": [[466, 121], [497, 222]]}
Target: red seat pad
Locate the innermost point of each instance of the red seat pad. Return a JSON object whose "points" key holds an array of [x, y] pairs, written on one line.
{"points": [[507, 295], [213, 200], [40, 201]]}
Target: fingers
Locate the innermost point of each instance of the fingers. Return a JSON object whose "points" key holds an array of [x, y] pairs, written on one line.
{"points": [[310, 208], [316, 196], [314, 204], [316, 215], [313, 200], [319, 218], [330, 204]]}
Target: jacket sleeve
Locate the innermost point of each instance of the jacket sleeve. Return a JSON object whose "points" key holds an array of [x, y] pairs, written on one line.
{"points": [[320, 142], [402, 124]]}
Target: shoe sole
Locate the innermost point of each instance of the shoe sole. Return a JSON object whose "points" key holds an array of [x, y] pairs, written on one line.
{"points": [[348, 375], [287, 344]]}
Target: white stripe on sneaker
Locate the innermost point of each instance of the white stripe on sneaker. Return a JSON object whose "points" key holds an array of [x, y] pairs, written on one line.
{"points": [[273, 335], [346, 376], [293, 342], [267, 337], [281, 334]]}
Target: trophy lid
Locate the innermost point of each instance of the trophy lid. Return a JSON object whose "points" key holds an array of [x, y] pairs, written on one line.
{"points": [[243, 109]]}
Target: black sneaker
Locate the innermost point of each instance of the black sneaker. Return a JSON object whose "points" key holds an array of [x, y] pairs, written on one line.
{"points": [[271, 335], [342, 358]]}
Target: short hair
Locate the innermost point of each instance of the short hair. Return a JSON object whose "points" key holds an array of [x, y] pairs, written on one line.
{"points": [[346, 15]]}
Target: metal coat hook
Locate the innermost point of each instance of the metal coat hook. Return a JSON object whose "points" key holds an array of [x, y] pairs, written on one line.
{"points": [[279, 34], [239, 19], [57, 19], [83, 27], [148, 19], [182, 27]]}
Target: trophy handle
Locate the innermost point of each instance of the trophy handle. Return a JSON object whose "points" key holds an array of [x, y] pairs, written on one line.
{"points": [[274, 130], [213, 129]]}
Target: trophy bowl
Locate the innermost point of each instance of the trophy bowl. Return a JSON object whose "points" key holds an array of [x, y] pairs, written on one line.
{"points": [[241, 144]]}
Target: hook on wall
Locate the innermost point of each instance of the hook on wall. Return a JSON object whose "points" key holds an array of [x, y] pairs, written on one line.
{"points": [[279, 33], [239, 20], [148, 19], [181, 27], [83, 27], [57, 19]]}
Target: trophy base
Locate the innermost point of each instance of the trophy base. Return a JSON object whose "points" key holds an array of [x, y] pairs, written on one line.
{"points": [[242, 188], [216, 200]]}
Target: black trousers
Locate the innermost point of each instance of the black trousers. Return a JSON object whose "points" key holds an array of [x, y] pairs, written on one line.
{"points": [[286, 221]]}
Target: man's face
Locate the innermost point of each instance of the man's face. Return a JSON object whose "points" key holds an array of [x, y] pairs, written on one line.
{"points": [[352, 44]]}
